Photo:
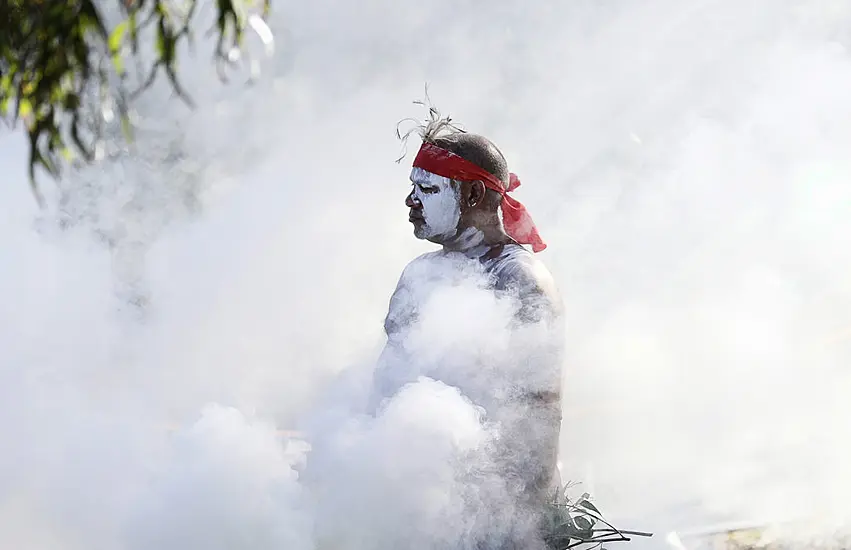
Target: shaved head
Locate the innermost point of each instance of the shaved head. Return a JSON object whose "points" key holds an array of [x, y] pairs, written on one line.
{"points": [[477, 149]]}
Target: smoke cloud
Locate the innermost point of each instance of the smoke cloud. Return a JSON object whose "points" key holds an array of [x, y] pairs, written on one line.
{"points": [[227, 280]]}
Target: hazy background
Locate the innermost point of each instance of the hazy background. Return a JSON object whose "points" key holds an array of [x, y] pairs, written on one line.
{"points": [[687, 162]]}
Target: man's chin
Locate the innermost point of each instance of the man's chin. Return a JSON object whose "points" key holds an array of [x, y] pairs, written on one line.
{"points": [[423, 234]]}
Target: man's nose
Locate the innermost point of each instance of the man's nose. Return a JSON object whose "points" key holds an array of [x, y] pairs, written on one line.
{"points": [[410, 202]]}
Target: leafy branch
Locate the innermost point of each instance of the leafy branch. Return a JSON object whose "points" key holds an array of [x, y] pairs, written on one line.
{"points": [[63, 69], [574, 524]]}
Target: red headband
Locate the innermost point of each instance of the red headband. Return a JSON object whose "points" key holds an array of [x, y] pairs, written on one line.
{"points": [[517, 221]]}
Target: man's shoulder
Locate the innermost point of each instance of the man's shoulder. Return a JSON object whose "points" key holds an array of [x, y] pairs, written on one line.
{"points": [[517, 269], [403, 301], [425, 258], [446, 267], [518, 265], [420, 264]]}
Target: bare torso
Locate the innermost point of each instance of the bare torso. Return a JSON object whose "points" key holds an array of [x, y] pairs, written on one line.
{"points": [[510, 271]]}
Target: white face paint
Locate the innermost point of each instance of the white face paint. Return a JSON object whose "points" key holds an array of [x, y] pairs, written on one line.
{"points": [[441, 209]]}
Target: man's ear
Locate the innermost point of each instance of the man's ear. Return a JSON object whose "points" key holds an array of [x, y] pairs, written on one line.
{"points": [[476, 193]]}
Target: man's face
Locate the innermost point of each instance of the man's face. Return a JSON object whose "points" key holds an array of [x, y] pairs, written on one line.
{"points": [[435, 207]]}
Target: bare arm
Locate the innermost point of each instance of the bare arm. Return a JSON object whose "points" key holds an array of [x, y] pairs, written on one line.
{"points": [[537, 406], [386, 377]]}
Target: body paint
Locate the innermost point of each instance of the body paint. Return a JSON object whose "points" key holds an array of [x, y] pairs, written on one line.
{"points": [[441, 208], [469, 240]]}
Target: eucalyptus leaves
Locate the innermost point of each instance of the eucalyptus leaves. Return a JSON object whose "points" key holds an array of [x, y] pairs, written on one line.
{"points": [[63, 69], [579, 524]]}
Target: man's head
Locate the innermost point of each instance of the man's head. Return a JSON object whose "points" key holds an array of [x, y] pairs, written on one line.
{"points": [[442, 209]]}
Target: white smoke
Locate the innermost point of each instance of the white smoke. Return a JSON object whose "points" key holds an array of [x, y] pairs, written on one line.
{"points": [[686, 162]]}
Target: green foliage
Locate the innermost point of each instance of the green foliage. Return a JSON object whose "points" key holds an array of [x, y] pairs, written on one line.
{"points": [[579, 524], [63, 71]]}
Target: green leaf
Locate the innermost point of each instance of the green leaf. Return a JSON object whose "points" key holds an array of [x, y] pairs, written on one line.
{"points": [[25, 108], [160, 43], [126, 128], [6, 86], [71, 102], [589, 506], [116, 39], [567, 524], [583, 523]]}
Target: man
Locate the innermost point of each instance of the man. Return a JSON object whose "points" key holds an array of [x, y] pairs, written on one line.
{"points": [[460, 184]]}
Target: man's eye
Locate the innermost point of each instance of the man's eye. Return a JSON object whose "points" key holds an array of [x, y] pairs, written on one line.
{"points": [[429, 190]]}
